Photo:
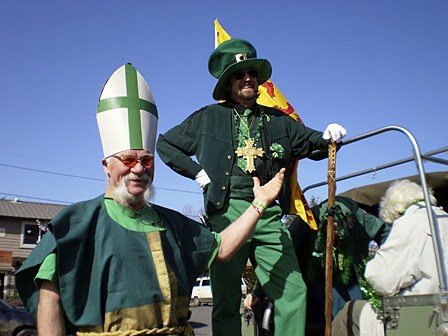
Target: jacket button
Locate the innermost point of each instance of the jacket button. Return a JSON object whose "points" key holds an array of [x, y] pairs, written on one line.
{"points": [[229, 157], [218, 204], [227, 173], [223, 187]]}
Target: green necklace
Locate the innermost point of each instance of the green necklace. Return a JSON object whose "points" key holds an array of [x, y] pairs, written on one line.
{"points": [[247, 148]]}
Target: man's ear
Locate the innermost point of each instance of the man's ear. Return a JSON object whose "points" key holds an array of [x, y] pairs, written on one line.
{"points": [[105, 167]]}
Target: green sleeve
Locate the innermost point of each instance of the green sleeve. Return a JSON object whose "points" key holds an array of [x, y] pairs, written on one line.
{"points": [[48, 271], [304, 140], [26, 275], [179, 144], [214, 249], [377, 229]]}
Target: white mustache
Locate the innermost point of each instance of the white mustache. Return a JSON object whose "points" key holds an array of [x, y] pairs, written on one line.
{"points": [[134, 177]]}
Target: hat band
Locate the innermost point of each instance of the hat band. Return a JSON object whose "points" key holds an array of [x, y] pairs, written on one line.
{"points": [[126, 102], [134, 106]]}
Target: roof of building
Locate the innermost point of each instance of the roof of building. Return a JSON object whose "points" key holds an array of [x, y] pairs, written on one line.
{"points": [[20, 209]]}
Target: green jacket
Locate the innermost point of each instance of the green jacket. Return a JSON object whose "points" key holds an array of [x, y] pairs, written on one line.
{"points": [[209, 135], [362, 229]]}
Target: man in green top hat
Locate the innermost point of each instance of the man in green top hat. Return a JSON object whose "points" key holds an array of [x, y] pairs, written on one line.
{"points": [[117, 264], [232, 142]]}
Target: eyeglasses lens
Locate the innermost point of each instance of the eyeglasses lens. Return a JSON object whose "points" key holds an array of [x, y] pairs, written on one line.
{"points": [[241, 74], [147, 161], [131, 161]]}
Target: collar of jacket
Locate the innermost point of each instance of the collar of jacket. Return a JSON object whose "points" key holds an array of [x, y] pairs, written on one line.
{"points": [[240, 108]]}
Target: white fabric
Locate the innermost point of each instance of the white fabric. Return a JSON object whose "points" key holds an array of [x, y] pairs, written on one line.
{"points": [[405, 263], [114, 130], [148, 126], [335, 131], [370, 325], [116, 86], [202, 179]]}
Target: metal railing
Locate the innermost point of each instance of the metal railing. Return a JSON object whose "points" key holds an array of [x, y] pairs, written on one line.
{"points": [[418, 158]]}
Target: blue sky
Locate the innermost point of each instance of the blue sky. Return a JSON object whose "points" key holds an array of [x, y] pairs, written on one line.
{"points": [[363, 64]]}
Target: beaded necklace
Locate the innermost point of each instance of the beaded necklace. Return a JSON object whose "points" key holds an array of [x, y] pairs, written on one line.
{"points": [[247, 148]]}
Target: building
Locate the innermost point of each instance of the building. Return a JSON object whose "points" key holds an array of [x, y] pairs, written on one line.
{"points": [[22, 224]]}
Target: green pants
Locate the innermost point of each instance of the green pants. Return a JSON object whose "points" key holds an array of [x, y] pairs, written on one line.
{"points": [[271, 252]]}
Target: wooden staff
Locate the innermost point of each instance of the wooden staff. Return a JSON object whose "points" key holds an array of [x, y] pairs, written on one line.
{"points": [[330, 237]]}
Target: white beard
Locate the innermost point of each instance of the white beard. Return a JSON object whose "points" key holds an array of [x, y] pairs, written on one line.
{"points": [[122, 195]]}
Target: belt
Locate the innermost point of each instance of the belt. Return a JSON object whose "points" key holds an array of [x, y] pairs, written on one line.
{"points": [[185, 330]]}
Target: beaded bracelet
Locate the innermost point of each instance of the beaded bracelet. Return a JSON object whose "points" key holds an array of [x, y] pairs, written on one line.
{"points": [[254, 202]]}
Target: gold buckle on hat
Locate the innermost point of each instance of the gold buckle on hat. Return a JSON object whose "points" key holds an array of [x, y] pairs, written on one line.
{"points": [[241, 57]]}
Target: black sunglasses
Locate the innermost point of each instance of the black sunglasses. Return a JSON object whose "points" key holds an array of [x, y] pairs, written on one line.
{"points": [[242, 74]]}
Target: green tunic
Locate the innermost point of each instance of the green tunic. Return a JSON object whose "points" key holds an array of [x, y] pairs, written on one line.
{"points": [[115, 279]]}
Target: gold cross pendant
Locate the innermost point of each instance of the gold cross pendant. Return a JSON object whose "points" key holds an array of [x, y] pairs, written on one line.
{"points": [[249, 153]]}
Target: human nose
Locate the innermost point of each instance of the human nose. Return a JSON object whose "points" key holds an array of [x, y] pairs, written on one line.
{"points": [[138, 168], [249, 77]]}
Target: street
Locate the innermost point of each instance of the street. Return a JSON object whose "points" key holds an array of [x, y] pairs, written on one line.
{"points": [[201, 320]]}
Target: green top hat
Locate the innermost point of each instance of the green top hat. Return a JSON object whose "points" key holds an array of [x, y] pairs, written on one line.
{"points": [[231, 56]]}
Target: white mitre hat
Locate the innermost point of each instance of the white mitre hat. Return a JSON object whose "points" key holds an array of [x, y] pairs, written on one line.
{"points": [[127, 113]]}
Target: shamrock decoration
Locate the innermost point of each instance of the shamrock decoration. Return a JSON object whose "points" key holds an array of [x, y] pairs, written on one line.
{"points": [[277, 151]]}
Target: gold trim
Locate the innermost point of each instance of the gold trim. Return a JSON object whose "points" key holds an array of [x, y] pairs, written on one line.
{"points": [[166, 278], [185, 330]]}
